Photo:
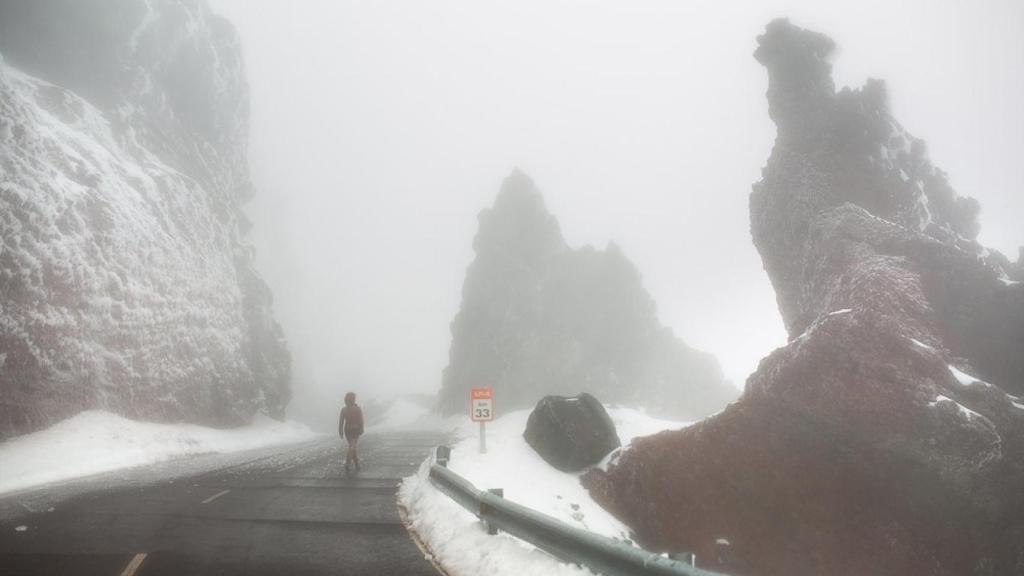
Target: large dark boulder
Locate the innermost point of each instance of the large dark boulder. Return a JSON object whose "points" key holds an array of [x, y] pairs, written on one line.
{"points": [[887, 436], [571, 433]]}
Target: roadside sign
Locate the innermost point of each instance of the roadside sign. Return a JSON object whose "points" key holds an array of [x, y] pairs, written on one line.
{"points": [[481, 404], [481, 409]]}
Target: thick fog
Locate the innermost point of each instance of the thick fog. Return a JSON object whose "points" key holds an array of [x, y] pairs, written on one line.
{"points": [[381, 129]]}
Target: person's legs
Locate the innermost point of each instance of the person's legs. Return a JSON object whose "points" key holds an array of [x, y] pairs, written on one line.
{"points": [[348, 453], [354, 447]]}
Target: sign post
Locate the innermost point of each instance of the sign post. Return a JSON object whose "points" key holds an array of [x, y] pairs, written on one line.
{"points": [[483, 437], [481, 409]]}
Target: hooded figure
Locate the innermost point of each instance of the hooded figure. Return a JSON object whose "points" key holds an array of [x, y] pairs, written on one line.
{"points": [[350, 427]]}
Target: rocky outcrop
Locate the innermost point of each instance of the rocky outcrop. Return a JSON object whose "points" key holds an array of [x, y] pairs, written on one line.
{"points": [[538, 318], [846, 148], [126, 280], [887, 437], [571, 433]]}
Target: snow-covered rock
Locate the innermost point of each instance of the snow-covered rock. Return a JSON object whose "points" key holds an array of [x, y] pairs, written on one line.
{"points": [[843, 165], [126, 282], [885, 438]]}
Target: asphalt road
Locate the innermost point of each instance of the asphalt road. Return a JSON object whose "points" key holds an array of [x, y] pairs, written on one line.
{"points": [[290, 511]]}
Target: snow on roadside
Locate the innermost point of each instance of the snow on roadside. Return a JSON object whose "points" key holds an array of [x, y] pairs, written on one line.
{"points": [[96, 441], [459, 542]]}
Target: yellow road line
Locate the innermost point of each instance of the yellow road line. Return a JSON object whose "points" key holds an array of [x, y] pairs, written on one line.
{"points": [[133, 566], [215, 496], [403, 514]]}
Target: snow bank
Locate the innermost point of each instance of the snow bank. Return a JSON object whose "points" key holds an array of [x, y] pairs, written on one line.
{"points": [[458, 541], [98, 441]]}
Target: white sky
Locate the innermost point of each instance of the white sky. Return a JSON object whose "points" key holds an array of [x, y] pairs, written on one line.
{"points": [[380, 130]]}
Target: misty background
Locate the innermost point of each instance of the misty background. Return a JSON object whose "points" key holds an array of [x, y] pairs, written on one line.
{"points": [[381, 129]]}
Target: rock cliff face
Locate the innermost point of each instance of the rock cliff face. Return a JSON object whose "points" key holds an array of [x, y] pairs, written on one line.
{"points": [[540, 318], [126, 282], [887, 437]]}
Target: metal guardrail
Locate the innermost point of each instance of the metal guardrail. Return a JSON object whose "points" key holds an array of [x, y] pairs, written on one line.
{"points": [[599, 553]]}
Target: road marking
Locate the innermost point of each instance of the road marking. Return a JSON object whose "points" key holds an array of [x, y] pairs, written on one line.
{"points": [[133, 566], [215, 496], [403, 515]]}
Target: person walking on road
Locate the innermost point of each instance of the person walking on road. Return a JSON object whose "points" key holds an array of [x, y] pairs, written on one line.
{"points": [[350, 427]]}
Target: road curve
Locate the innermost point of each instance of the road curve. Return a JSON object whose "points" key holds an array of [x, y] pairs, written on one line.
{"points": [[287, 511]]}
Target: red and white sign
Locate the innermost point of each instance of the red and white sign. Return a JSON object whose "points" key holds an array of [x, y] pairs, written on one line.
{"points": [[481, 404]]}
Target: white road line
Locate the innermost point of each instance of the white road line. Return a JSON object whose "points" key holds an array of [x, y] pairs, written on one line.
{"points": [[215, 496], [133, 566]]}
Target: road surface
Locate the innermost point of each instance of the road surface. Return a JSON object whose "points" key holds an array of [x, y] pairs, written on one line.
{"points": [[289, 511]]}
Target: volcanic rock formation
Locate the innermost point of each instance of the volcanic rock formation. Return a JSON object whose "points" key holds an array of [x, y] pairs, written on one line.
{"points": [[540, 318], [126, 282], [887, 437]]}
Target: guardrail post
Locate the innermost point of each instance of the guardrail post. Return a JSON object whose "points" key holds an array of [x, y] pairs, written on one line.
{"points": [[687, 557], [442, 455], [485, 511]]}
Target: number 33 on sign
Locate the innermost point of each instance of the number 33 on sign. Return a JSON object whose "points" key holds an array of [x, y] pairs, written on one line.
{"points": [[481, 404]]}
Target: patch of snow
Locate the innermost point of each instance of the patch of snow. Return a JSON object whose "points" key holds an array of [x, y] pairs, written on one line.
{"points": [[21, 528], [964, 411], [964, 378], [995, 452], [838, 312], [96, 441], [920, 344], [1017, 404], [722, 541], [631, 424], [1008, 282], [459, 542], [923, 204]]}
